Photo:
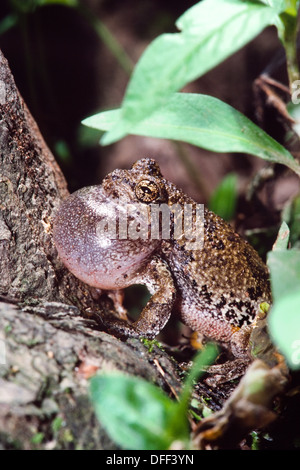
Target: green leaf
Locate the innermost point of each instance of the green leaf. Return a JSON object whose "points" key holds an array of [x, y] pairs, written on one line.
{"points": [[291, 215], [284, 317], [212, 30], [285, 272], [8, 22], [37, 438], [206, 122], [223, 201], [136, 414], [279, 4], [293, 108], [282, 239], [284, 327]]}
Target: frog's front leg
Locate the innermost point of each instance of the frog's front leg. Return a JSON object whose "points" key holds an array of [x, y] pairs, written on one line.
{"points": [[156, 276]]}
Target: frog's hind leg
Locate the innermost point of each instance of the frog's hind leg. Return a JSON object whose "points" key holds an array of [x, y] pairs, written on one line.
{"points": [[157, 277]]}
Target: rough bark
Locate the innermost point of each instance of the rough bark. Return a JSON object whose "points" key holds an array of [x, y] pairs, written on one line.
{"points": [[50, 354]]}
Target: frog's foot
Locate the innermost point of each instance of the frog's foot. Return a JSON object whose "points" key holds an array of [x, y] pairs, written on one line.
{"points": [[226, 372]]}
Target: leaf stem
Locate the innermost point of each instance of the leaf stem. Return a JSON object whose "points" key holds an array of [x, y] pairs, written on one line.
{"points": [[201, 362]]}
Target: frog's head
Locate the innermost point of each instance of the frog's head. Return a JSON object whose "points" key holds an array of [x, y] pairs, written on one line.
{"points": [[143, 183]]}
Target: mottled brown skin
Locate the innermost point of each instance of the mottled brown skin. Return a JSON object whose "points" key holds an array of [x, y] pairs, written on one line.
{"points": [[216, 290]]}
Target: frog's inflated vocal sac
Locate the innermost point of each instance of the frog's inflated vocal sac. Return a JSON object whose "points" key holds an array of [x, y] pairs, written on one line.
{"points": [[216, 289]]}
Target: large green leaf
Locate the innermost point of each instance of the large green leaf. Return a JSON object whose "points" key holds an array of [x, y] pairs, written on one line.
{"points": [[284, 318], [211, 31], [285, 273], [284, 326], [206, 122], [137, 414]]}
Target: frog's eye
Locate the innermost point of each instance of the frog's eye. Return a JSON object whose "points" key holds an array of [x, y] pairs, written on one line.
{"points": [[146, 191]]}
